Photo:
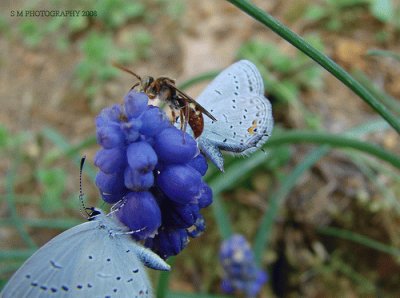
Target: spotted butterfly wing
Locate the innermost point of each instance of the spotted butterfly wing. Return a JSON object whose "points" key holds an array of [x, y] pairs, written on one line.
{"points": [[236, 98], [94, 259]]}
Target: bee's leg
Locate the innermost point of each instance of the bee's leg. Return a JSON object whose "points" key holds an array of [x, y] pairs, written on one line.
{"points": [[184, 119], [173, 116], [181, 118]]}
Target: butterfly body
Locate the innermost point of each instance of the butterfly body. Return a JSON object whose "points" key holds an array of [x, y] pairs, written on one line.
{"points": [[245, 122], [94, 259]]}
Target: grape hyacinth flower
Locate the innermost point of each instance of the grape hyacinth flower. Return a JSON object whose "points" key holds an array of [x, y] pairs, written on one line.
{"points": [[241, 273], [154, 172]]}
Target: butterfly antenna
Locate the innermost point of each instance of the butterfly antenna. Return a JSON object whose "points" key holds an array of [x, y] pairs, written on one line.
{"points": [[81, 194]]}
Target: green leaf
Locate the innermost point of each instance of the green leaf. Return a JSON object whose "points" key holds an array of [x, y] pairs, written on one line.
{"points": [[383, 10], [53, 183], [4, 136], [315, 13]]}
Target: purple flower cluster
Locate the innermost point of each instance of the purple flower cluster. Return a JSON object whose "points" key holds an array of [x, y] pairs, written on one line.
{"points": [[154, 171], [241, 273]]}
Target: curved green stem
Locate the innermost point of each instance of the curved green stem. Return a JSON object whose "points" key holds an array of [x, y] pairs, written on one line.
{"points": [[360, 239], [317, 56], [294, 136]]}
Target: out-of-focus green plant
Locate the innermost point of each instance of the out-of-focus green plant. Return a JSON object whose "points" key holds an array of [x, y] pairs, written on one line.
{"points": [[96, 34], [53, 186], [336, 13], [386, 11], [99, 51], [333, 13]]}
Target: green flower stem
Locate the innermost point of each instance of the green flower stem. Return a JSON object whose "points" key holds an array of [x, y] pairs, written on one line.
{"points": [[317, 56], [294, 137], [163, 280]]}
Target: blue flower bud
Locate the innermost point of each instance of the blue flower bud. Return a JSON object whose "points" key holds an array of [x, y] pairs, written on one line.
{"points": [[109, 115], [153, 171], [110, 160], [169, 242], [197, 228], [111, 186], [140, 212], [199, 163], [141, 157], [205, 196], [135, 103], [174, 146], [240, 270], [138, 181], [180, 183], [180, 216], [154, 121], [131, 129], [110, 136]]}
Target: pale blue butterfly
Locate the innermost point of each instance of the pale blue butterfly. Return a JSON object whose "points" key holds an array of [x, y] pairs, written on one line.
{"points": [[244, 115], [94, 259]]}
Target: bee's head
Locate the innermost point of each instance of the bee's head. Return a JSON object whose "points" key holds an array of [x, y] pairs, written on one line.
{"points": [[148, 86], [146, 82]]}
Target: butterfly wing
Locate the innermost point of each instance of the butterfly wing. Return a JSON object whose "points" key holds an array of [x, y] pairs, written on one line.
{"points": [[89, 260], [236, 98]]}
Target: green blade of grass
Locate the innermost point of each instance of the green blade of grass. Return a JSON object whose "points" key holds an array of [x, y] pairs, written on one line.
{"points": [[320, 58], [62, 224], [360, 239], [296, 136], [16, 254], [384, 53], [10, 198], [65, 147]]}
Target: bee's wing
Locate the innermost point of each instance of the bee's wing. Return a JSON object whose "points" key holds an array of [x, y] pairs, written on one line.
{"points": [[191, 100]]}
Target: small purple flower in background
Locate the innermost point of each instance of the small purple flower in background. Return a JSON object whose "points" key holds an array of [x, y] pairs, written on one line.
{"points": [[154, 172], [241, 273]]}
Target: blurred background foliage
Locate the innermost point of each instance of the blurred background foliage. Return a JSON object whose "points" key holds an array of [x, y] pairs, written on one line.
{"points": [[320, 202]]}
